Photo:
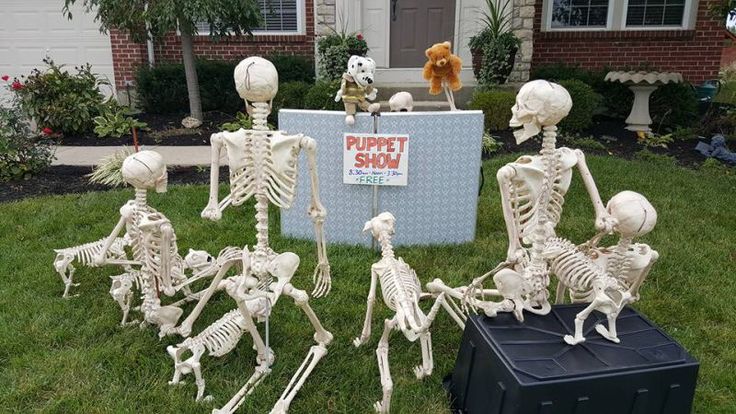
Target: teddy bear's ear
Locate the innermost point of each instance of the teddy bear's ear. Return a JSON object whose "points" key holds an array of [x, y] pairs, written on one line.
{"points": [[428, 53], [447, 45]]}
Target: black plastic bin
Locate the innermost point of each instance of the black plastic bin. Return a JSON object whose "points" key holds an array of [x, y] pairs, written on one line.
{"points": [[508, 367]]}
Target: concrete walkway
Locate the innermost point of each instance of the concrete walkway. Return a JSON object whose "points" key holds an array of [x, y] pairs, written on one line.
{"points": [[173, 155]]}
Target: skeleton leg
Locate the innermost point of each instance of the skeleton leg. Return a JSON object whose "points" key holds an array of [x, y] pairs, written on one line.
{"points": [[425, 369], [366, 333], [579, 320], [63, 265], [185, 329], [190, 365], [316, 352], [387, 384]]}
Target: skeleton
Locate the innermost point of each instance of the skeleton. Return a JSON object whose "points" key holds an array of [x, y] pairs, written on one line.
{"points": [[263, 165], [401, 293], [84, 255], [153, 245]]}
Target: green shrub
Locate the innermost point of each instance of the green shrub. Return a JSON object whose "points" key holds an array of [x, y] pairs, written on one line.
{"points": [[673, 105], [293, 68], [22, 153], [115, 121], [585, 104], [334, 51], [290, 95], [490, 144], [653, 158], [584, 142], [322, 96], [496, 107], [163, 89], [498, 59], [60, 100], [242, 120]]}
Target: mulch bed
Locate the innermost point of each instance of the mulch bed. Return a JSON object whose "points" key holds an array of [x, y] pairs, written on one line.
{"points": [[619, 142], [62, 179], [164, 129]]}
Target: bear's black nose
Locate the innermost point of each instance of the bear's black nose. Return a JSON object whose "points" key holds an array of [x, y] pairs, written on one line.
{"points": [[369, 80]]}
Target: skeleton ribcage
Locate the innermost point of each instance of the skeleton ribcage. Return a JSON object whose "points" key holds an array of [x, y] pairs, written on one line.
{"points": [[573, 268], [85, 253], [525, 204], [263, 163], [399, 281], [221, 337]]}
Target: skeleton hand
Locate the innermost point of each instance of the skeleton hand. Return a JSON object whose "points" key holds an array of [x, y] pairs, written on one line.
{"points": [[515, 255], [605, 223], [338, 95], [322, 280], [360, 340], [211, 212], [372, 95]]}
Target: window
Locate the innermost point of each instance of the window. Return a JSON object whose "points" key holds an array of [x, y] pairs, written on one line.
{"points": [[279, 17], [655, 13], [579, 13]]}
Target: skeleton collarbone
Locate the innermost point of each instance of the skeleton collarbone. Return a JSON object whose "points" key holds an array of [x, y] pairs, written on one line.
{"points": [[526, 187], [263, 163]]}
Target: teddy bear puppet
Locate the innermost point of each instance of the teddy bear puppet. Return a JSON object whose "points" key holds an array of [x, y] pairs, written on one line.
{"points": [[356, 88], [442, 69]]}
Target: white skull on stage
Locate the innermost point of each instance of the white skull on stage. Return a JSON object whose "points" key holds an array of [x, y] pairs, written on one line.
{"points": [[145, 170], [539, 103], [401, 102], [634, 214], [256, 79]]}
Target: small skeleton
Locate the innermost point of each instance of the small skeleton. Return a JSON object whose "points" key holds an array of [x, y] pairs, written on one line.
{"points": [[401, 293], [153, 245], [263, 165], [85, 255]]}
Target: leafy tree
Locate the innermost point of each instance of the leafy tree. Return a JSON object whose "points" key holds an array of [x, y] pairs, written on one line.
{"points": [[144, 18]]}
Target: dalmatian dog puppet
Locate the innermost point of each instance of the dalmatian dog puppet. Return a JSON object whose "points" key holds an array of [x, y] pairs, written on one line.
{"points": [[356, 88]]}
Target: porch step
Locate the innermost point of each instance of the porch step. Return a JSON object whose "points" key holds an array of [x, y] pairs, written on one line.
{"points": [[423, 106]]}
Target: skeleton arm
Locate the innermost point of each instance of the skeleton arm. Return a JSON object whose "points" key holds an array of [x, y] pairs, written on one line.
{"points": [[603, 221], [366, 333], [213, 211], [321, 278], [99, 260], [515, 250]]}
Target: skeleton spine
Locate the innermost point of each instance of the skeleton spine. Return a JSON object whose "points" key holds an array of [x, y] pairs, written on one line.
{"points": [[572, 267], [221, 337]]}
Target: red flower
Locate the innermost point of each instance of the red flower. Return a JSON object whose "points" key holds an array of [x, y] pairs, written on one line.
{"points": [[5, 77], [359, 36], [16, 85], [47, 131]]}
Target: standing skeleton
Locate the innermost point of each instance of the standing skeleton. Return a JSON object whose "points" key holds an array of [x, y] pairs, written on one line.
{"points": [[263, 165], [401, 293], [532, 195]]}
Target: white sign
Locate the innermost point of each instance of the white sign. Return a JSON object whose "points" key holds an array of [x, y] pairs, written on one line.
{"points": [[375, 159]]}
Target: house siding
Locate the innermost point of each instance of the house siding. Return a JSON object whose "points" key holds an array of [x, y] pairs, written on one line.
{"points": [[128, 55], [696, 54]]}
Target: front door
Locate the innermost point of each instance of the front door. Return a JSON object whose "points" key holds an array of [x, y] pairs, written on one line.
{"points": [[415, 26]]}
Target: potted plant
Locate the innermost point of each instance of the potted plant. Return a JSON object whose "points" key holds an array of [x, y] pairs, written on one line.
{"points": [[494, 48], [335, 49]]}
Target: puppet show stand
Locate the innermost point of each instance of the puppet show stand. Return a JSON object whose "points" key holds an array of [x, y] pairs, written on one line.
{"points": [[439, 203]]}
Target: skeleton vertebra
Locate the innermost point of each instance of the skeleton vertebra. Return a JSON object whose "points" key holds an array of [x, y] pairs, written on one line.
{"points": [[263, 165], [84, 255], [401, 291]]}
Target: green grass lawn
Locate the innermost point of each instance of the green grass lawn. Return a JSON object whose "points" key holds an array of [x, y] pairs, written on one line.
{"points": [[68, 356]]}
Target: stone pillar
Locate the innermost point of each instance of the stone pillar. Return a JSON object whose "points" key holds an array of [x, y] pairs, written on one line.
{"points": [[325, 16], [522, 24]]}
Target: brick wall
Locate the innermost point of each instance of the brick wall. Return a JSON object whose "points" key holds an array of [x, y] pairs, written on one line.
{"points": [[127, 55], [694, 53]]}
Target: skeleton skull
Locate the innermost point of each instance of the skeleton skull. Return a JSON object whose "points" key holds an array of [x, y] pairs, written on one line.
{"points": [[256, 80], [539, 103], [382, 222], [634, 213], [401, 102], [145, 170]]}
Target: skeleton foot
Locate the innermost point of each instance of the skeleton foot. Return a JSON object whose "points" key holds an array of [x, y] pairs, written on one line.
{"points": [[607, 334], [66, 294], [378, 406], [574, 340], [358, 341], [420, 372]]}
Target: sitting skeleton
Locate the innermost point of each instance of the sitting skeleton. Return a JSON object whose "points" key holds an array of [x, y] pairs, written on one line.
{"points": [[401, 293], [263, 165], [160, 269]]}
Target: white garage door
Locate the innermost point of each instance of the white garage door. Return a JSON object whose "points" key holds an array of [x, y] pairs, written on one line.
{"points": [[32, 29]]}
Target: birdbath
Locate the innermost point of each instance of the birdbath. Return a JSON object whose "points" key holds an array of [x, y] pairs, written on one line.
{"points": [[642, 84]]}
